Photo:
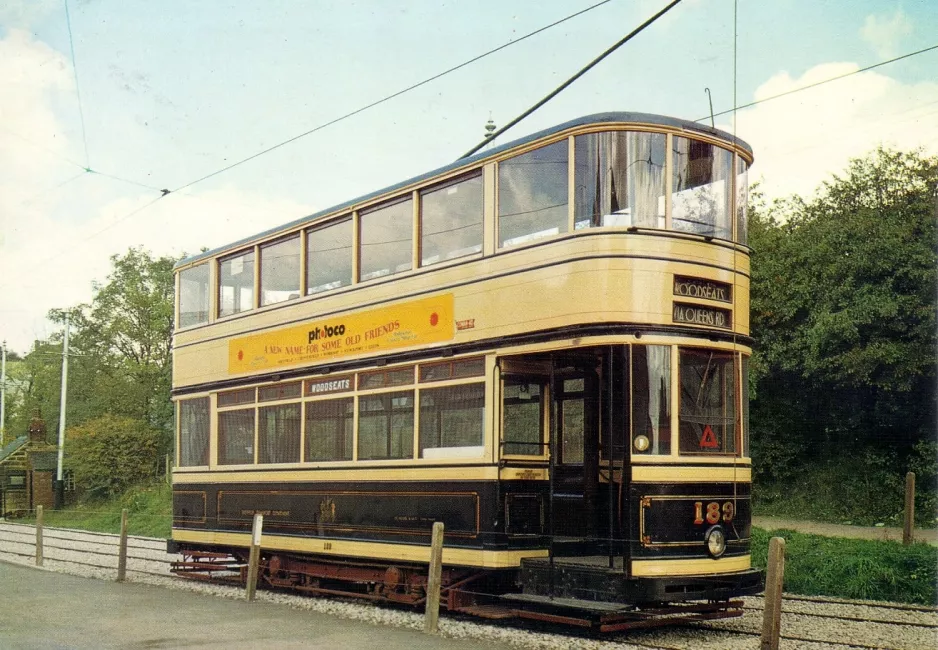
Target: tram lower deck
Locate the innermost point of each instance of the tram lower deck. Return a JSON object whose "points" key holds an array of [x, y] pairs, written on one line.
{"points": [[569, 506]]}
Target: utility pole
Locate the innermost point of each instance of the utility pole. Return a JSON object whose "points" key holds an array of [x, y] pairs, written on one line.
{"points": [[3, 393], [59, 483]]}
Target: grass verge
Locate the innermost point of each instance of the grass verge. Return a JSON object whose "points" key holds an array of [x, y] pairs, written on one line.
{"points": [[853, 568], [814, 565]]}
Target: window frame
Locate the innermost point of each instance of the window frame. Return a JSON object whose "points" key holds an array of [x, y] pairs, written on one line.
{"points": [[544, 397], [336, 222], [220, 262], [293, 236], [475, 174]]}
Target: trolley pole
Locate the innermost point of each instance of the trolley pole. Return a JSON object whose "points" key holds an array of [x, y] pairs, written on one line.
{"points": [[59, 484], [3, 393]]}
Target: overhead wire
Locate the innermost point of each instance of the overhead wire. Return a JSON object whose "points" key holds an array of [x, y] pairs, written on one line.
{"points": [[81, 113], [165, 192], [622, 41], [43, 148], [819, 83], [52, 189], [393, 95], [77, 164]]}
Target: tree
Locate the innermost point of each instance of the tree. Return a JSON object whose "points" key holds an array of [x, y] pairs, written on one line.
{"points": [[843, 309], [109, 454], [128, 328], [119, 362]]}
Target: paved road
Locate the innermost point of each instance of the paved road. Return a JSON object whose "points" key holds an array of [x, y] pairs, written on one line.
{"points": [[929, 535], [48, 611]]}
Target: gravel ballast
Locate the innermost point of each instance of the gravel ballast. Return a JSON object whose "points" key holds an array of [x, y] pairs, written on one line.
{"points": [[806, 624]]}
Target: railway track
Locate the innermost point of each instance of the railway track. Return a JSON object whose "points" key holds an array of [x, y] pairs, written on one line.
{"points": [[808, 623]]}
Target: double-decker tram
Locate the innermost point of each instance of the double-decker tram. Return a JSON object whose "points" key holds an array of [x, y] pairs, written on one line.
{"points": [[543, 346]]}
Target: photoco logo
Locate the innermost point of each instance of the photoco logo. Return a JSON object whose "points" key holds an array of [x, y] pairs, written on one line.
{"points": [[325, 332]]}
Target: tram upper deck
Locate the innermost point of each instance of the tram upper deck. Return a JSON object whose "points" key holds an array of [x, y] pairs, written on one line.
{"points": [[611, 223]]}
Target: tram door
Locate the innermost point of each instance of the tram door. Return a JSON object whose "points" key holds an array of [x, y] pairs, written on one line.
{"points": [[576, 447]]}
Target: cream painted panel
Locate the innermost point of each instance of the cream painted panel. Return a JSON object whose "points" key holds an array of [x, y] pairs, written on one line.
{"points": [[574, 280]]}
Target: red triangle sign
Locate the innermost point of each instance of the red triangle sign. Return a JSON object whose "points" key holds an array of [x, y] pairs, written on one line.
{"points": [[709, 438]]}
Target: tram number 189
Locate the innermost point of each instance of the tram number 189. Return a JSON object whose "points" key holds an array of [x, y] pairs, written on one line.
{"points": [[714, 513]]}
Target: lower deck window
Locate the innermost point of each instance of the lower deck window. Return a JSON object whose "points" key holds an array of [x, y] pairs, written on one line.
{"points": [[329, 429], [236, 437], [452, 417], [386, 426], [651, 399], [193, 431], [708, 402], [279, 434], [523, 416]]}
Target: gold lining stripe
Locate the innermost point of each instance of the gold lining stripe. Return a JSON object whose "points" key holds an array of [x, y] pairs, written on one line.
{"points": [[685, 474], [695, 567], [363, 473], [369, 550], [359, 474]]}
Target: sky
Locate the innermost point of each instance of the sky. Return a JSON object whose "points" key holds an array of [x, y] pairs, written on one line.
{"points": [[103, 103]]}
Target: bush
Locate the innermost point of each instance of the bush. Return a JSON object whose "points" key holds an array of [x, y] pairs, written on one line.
{"points": [[109, 454], [862, 488]]}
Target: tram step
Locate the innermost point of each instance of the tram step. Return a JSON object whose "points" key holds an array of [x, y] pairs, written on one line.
{"points": [[494, 612], [571, 603]]}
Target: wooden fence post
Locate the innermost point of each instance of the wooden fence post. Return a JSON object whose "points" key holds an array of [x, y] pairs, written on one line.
{"points": [[432, 613], [774, 577], [38, 535], [255, 557], [908, 530], [122, 549]]}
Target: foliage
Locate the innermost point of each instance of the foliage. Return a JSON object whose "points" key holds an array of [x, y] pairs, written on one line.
{"points": [[149, 512], [120, 354], [853, 568], [111, 453], [844, 314], [862, 488]]}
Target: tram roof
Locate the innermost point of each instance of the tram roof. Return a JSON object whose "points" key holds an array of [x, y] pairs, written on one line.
{"points": [[596, 118]]}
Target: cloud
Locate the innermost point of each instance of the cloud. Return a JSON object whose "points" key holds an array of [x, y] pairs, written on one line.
{"points": [[885, 33], [801, 139], [59, 225]]}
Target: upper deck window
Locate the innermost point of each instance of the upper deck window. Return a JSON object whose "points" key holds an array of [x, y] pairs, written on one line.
{"points": [[193, 295], [236, 284], [387, 240], [329, 257], [619, 179], [280, 271], [701, 195], [451, 221], [532, 195], [742, 200]]}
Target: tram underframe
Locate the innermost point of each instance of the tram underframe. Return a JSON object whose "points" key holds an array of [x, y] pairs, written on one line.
{"points": [[488, 594]]}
